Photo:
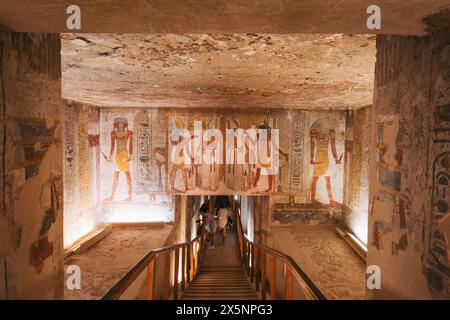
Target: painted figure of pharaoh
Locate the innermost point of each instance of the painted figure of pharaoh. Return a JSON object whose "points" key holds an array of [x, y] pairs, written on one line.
{"points": [[122, 144], [320, 142]]}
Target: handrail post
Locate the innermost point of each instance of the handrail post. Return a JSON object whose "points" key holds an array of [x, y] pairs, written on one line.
{"points": [[196, 257], [273, 278], [248, 258], [166, 285], [244, 254], [263, 276], [183, 268], [257, 269], [189, 262], [175, 275], [288, 294], [252, 269], [150, 280], [203, 252]]}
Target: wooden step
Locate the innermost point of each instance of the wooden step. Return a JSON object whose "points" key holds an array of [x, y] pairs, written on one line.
{"points": [[220, 283]]}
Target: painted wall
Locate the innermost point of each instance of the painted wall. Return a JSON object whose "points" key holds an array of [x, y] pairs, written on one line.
{"points": [[301, 180], [409, 228], [145, 168], [356, 184], [81, 171], [138, 157], [31, 234]]}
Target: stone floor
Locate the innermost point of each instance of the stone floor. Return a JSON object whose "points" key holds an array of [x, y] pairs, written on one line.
{"points": [[105, 263], [327, 259]]}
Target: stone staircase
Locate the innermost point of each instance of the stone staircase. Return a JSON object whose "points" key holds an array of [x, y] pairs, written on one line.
{"points": [[220, 283]]}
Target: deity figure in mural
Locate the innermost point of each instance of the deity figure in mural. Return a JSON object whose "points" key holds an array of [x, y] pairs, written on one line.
{"points": [[178, 173], [237, 173], [267, 164], [211, 152], [210, 166], [122, 144], [182, 173], [320, 141]]}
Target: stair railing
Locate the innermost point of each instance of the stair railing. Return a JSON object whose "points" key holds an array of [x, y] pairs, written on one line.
{"points": [[274, 274], [165, 272]]}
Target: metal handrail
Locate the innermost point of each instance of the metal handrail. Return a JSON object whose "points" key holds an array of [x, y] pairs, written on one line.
{"points": [[255, 267]]}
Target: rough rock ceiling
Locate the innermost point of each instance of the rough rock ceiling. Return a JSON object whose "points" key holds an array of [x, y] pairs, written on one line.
{"points": [[228, 70], [219, 16]]}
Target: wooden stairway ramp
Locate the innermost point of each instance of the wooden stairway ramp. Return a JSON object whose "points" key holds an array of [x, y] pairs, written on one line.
{"points": [[220, 283]]}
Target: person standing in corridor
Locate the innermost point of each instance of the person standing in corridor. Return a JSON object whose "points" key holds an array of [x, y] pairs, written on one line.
{"points": [[222, 205], [210, 222]]}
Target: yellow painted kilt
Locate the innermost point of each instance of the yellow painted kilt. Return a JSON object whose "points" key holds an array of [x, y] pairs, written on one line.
{"points": [[122, 161], [321, 168]]}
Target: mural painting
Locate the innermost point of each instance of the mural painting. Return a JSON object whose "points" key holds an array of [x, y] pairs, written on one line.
{"points": [[249, 165], [208, 173], [121, 152], [133, 144], [228, 154], [170, 151], [194, 158], [326, 145], [71, 170], [50, 200], [297, 178], [36, 139], [437, 245], [436, 229], [321, 139], [151, 153], [265, 168]]}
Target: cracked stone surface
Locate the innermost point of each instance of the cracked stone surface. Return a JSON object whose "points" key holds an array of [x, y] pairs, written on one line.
{"points": [[228, 70], [326, 258], [109, 260]]}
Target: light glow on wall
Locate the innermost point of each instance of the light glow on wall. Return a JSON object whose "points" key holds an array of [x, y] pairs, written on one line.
{"points": [[77, 230], [122, 213], [358, 221]]}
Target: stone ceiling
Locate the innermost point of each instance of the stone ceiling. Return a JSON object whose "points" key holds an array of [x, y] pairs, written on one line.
{"points": [[332, 71], [219, 16]]}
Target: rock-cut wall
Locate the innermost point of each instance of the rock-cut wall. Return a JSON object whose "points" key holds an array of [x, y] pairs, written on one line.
{"points": [[81, 171], [31, 237], [409, 218], [356, 172]]}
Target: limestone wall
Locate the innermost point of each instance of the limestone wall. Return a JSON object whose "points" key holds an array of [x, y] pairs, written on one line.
{"points": [[31, 214], [81, 172], [409, 175], [356, 175]]}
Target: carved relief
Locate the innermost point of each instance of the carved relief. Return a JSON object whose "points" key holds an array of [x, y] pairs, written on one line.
{"points": [[437, 229]]}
